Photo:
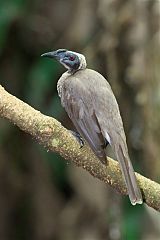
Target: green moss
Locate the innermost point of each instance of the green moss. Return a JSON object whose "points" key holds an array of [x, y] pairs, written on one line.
{"points": [[55, 142]]}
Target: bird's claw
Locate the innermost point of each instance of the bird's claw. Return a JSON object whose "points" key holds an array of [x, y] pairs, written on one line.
{"points": [[78, 138]]}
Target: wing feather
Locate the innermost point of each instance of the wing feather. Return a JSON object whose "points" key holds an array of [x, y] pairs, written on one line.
{"points": [[85, 121]]}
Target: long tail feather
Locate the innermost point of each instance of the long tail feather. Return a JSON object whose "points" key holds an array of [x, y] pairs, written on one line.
{"points": [[129, 176]]}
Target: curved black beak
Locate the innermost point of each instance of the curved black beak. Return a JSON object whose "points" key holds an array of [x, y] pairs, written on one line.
{"points": [[52, 54]]}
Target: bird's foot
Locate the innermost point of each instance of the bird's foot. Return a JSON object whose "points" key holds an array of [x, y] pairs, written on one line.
{"points": [[78, 138]]}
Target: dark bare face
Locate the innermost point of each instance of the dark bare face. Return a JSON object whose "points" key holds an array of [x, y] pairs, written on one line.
{"points": [[68, 59]]}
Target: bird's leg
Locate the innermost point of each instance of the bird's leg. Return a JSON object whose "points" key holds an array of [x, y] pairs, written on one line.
{"points": [[78, 138]]}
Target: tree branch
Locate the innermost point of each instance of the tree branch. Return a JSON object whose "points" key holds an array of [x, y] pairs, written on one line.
{"points": [[51, 134]]}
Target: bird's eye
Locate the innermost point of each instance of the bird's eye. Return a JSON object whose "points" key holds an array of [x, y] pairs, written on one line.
{"points": [[71, 58]]}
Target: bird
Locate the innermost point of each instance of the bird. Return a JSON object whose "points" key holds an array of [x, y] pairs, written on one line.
{"points": [[92, 107]]}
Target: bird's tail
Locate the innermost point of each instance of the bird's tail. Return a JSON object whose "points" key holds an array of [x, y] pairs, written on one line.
{"points": [[129, 176]]}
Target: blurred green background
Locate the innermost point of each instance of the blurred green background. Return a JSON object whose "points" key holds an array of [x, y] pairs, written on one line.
{"points": [[43, 197]]}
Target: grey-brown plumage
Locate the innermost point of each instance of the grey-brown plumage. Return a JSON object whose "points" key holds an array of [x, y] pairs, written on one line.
{"points": [[90, 103]]}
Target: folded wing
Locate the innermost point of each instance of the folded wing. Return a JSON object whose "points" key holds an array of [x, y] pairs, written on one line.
{"points": [[84, 118]]}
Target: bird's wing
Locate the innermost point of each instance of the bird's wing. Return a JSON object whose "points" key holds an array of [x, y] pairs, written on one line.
{"points": [[84, 118]]}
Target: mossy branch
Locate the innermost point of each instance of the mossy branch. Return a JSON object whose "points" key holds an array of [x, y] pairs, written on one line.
{"points": [[51, 134]]}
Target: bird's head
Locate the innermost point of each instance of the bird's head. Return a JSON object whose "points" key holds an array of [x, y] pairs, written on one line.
{"points": [[71, 60]]}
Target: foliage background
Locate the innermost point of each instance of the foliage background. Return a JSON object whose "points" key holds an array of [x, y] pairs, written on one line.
{"points": [[41, 196]]}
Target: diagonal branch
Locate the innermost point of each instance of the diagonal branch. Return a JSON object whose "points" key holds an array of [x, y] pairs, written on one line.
{"points": [[51, 134]]}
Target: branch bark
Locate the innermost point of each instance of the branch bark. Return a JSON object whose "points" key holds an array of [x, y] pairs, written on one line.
{"points": [[51, 134]]}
